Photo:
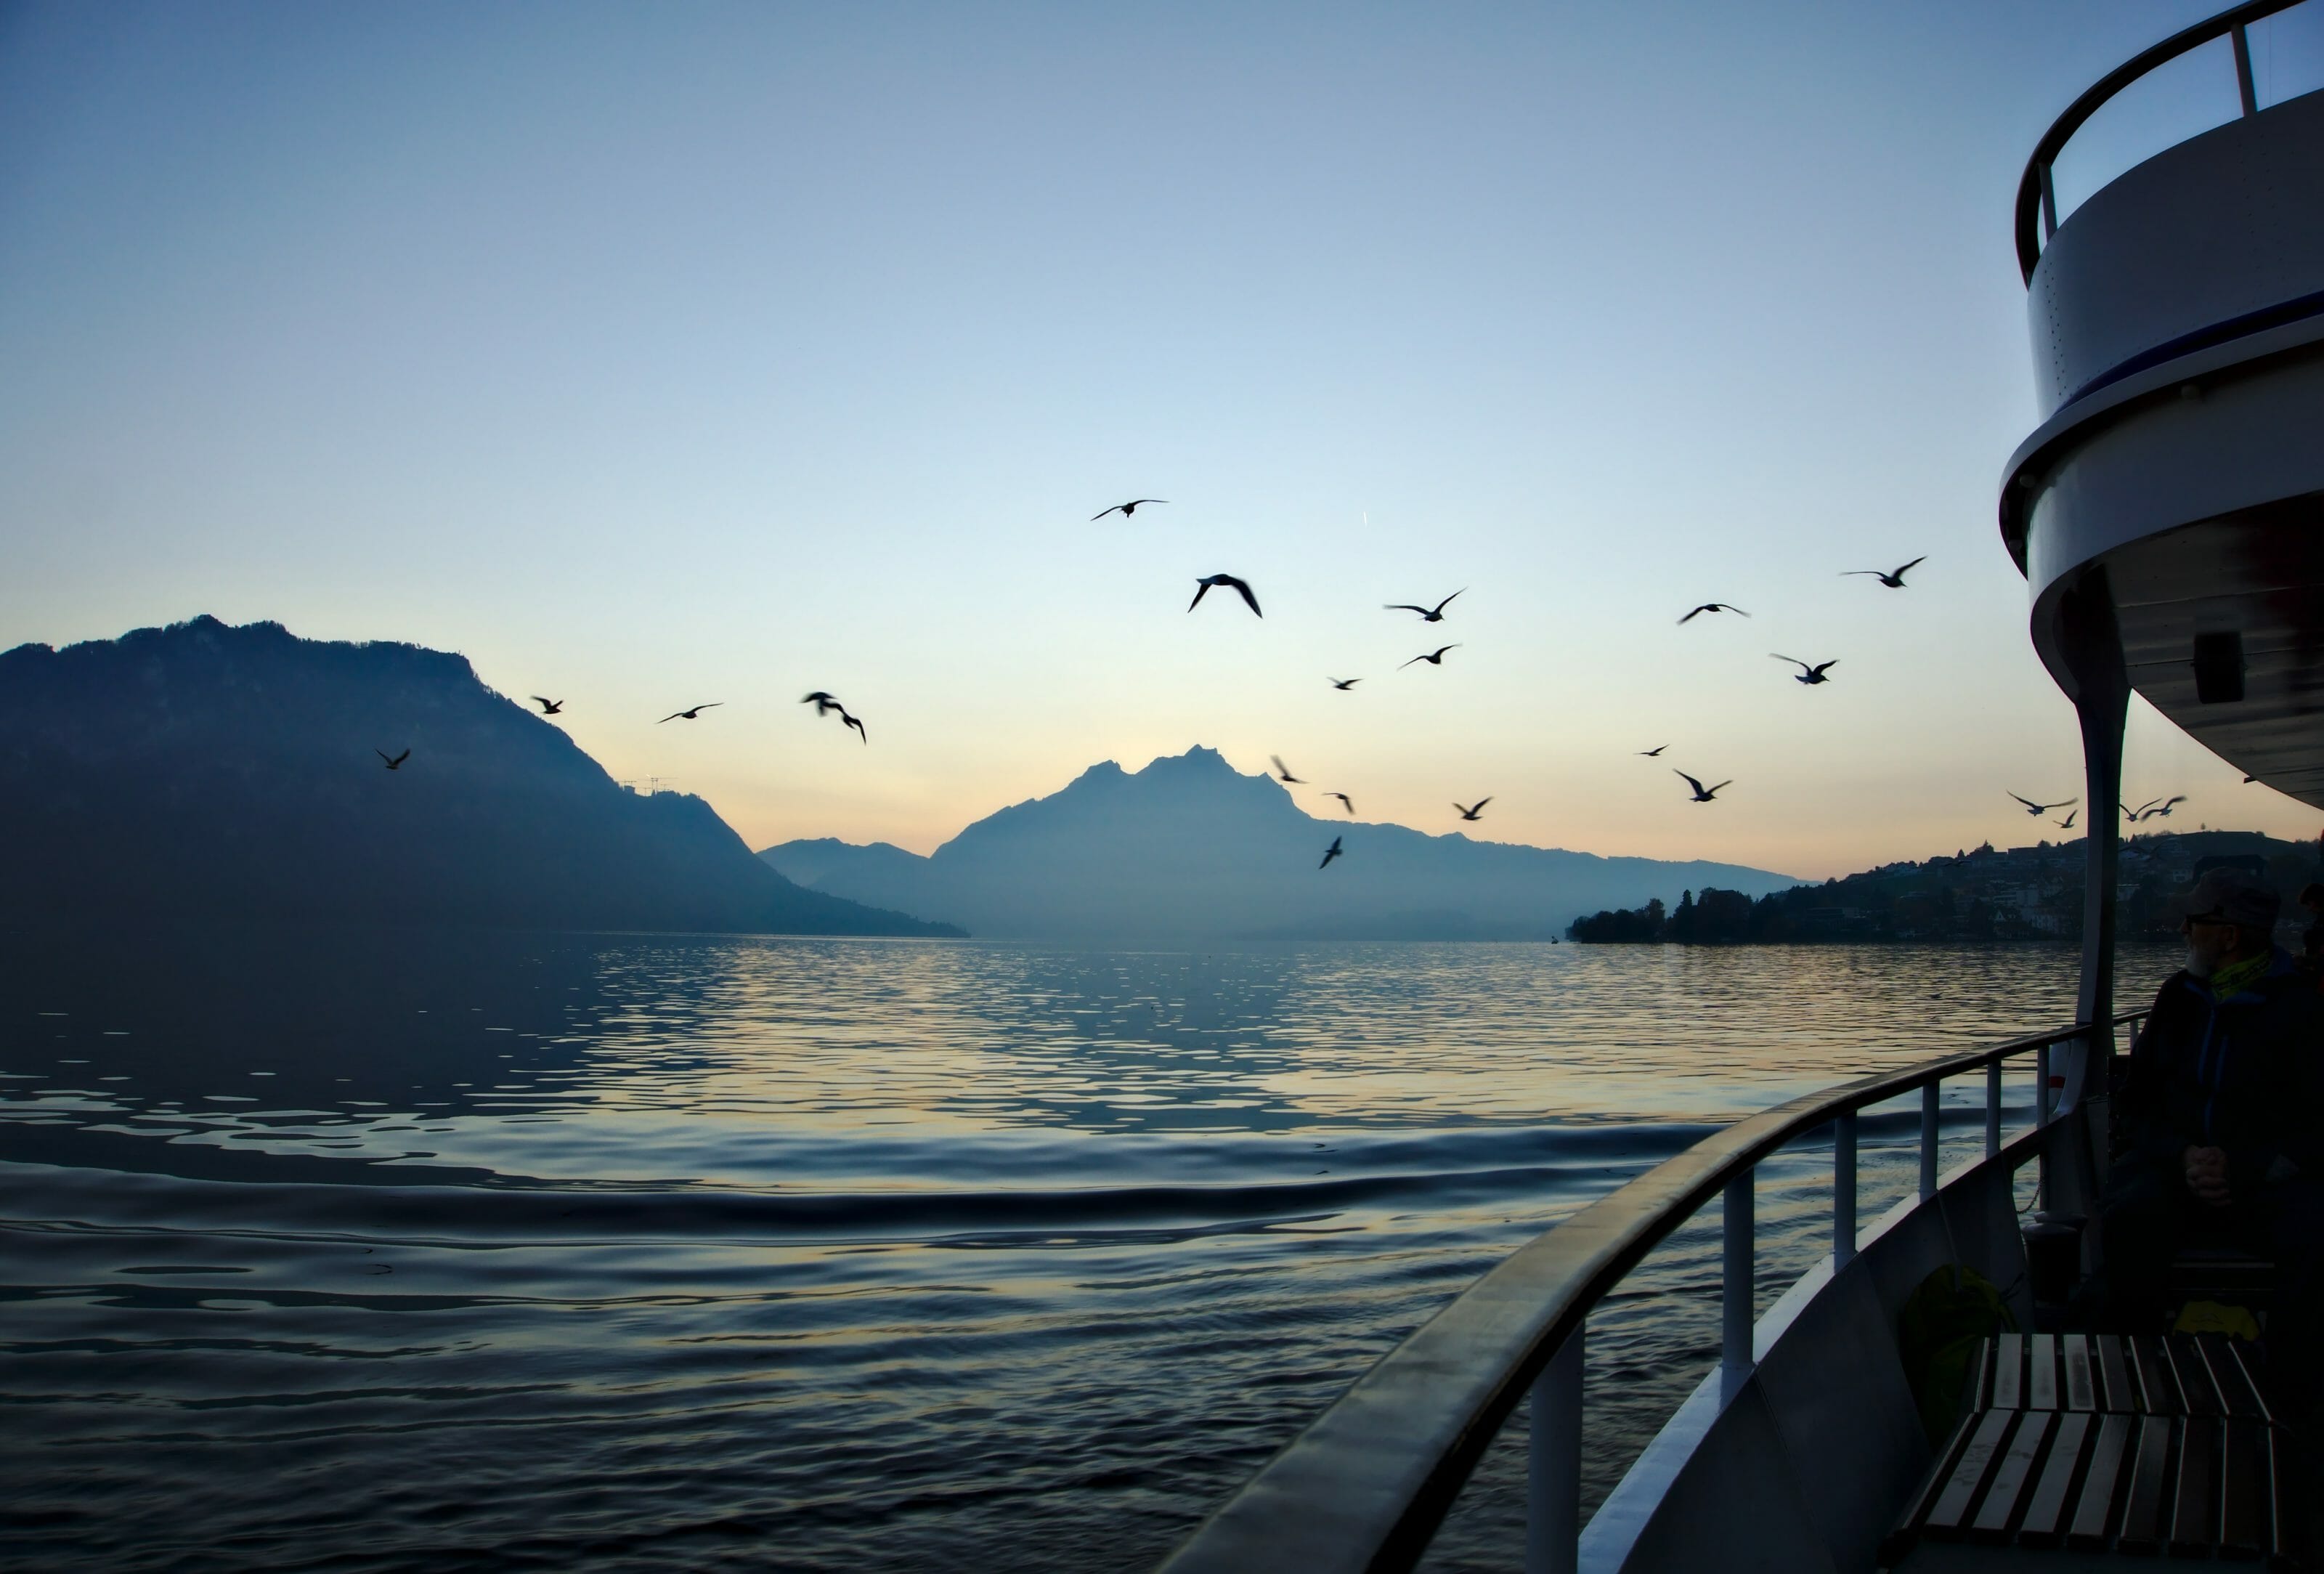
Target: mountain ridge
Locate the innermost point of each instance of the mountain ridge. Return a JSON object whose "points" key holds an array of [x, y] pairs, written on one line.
{"points": [[1187, 846], [202, 771]]}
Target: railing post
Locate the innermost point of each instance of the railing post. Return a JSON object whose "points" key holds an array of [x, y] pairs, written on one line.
{"points": [[2042, 1086], [2048, 204], [1928, 1141], [1553, 1464], [1843, 1191], [1992, 1108], [1735, 1287], [2244, 72]]}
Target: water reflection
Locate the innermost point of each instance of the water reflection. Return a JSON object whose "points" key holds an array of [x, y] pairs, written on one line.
{"points": [[384, 1251]]}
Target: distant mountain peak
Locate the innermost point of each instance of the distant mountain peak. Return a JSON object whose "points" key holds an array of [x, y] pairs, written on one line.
{"points": [[1201, 757]]}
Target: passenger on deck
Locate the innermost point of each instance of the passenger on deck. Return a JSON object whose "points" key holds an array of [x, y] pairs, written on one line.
{"points": [[2220, 1127]]}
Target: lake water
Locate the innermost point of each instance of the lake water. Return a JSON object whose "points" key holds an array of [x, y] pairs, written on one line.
{"points": [[381, 1252]]}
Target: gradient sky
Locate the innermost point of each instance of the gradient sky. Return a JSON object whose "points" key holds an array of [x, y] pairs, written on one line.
{"points": [[654, 355]]}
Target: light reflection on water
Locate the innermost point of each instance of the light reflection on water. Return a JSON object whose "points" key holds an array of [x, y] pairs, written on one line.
{"points": [[650, 1252]]}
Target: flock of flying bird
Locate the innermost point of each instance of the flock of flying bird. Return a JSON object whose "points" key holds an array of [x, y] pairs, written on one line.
{"points": [[1810, 673]]}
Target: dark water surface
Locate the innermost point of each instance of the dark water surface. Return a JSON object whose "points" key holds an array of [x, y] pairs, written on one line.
{"points": [[376, 1252]]}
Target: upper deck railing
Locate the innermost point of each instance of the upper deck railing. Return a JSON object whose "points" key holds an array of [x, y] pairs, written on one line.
{"points": [[2037, 201], [1365, 1486]]}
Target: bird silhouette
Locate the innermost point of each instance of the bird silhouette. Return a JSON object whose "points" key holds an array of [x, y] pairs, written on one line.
{"points": [[2067, 823], [1209, 582], [1330, 853], [1809, 674], [1129, 508], [1427, 614], [857, 723], [2159, 809], [1714, 606], [549, 707], [825, 704], [396, 764], [1655, 753], [1894, 579], [2040, 809], [1435, 658], [1475, 810], [693, 714], [1283, 772], [1703, 795], [1344, 684], [1346, 802]]}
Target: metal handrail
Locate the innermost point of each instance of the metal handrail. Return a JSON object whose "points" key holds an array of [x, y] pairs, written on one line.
{"points": [[1365, 1485], [2037, 206]]}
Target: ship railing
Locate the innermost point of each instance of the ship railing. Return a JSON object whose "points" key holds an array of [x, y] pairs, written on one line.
{"points": [[2037, 198], [1364, 1487]]}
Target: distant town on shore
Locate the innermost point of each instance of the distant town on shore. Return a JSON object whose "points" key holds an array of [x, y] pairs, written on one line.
{"points": [[1982, 894]]}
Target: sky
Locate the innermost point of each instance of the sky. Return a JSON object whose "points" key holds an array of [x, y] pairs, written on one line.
{"points": [[650, 355]]}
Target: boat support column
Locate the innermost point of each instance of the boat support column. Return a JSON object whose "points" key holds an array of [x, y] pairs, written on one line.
{"points": [[1553, 1463], [2092, 644]]}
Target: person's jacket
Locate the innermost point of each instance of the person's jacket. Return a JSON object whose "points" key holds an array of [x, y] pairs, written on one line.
{"points": [[2244, 1074]]}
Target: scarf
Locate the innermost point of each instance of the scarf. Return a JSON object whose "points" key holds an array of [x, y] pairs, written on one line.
{"points": [[2230, 977]]}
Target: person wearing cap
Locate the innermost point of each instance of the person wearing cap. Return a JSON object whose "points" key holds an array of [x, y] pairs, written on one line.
{"points": [[2219, 1128]]}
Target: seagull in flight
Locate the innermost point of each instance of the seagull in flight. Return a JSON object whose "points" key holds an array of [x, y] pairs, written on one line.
{"points": [[1344, 684], [1435, 658], [1475, 811], [825, 704], [1283, 772], [1654, 753], [1346, 802], [1714, 606], [396, 762], [1330, 853], [1703, 795], [2040, 809], [1894, 579], [1427, 614], [693, 714], [1129, 508], [2159, 809], [549, 707], [1209, 582], [2067, 823], [1809, 674]]}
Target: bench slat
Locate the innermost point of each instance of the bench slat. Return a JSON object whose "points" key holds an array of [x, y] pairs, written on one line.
{"points": [[2243, 1487], [2237, 1396], [2094, 1510], [2114, 1372], [1997, 1511], [1949, 1518], [2194, 1379], [2008, 1371], [2045, 1514], [2195, 1521], [2041, 1371], [2158, 1389], [2142, 1513], [2079, 1392], [1899, 1542]]}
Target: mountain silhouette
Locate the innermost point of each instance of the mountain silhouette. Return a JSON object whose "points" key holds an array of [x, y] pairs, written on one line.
{"points": [[1191, 849], [202, 772]]}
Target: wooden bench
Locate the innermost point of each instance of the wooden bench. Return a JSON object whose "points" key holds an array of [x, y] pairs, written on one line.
{"points": [[2078, 1447]]}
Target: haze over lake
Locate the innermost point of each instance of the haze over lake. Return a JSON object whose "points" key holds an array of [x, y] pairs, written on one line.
{"points": [[381, 1252]]}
